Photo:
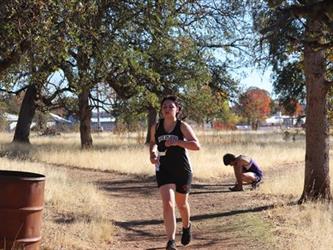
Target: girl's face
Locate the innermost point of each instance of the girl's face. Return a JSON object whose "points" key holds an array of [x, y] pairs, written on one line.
{"points": [[169, 109]]}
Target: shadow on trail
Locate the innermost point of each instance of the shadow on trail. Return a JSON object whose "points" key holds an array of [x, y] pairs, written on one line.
{"points": [[210, 192], [129, 224], [197, 189], [147, 185], [231, 213], [199, 186], [148, 229], [138, 186], [133, 226], [137, 229]]}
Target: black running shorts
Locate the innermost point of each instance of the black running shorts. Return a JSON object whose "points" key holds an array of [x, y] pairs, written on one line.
{"points": [[183, 183]]}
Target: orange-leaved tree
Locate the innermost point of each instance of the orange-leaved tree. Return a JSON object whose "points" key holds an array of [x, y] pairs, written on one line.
{"points": [[254, 105], [292, 107]]}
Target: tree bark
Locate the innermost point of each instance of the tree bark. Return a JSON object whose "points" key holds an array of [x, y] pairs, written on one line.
{"points": [[85, 119], [151, 119], [32, 99], [26, 114], [317, 180]]}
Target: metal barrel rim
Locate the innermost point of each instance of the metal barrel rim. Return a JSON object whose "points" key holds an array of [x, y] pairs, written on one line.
{"points": [[28, 240], [21, 175], [22, 209]]}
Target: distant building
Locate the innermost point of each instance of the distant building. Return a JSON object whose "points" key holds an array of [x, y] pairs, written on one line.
{"points": [[275, 120], [11, 120], [53, 121], [56, 120], [283, 120], [102, 121]]}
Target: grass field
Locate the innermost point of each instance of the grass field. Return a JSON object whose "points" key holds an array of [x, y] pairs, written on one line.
{"points": [[281, 160]]}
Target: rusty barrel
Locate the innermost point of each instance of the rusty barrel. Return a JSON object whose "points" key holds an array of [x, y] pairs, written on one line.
{"points": [[21, 205]]}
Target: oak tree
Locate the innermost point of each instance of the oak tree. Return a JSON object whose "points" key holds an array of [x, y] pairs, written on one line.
{"points": [[303, 30]]}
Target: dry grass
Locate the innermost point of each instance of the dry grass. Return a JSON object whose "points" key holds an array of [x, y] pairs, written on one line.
{"points": [[303, 227], [85, 226], [125, 154], [74, 213]]}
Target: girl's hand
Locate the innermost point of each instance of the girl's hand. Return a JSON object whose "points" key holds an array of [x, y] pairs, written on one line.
{"points": [[154, 158], [171, 142]]}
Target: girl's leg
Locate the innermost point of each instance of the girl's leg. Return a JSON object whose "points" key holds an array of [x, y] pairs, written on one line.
{"points": [[168, 199], [248, 177], [184, 208], [239, 181]]}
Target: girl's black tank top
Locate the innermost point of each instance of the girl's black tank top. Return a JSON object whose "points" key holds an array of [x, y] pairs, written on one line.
{"points": [[172, 159]]}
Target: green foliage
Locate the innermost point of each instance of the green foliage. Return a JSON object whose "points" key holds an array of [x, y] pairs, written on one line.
{"points": [[142, 50], [221, 27], [205, 105], [171, 62], [289, 85], [282, 27], [211, 101]]}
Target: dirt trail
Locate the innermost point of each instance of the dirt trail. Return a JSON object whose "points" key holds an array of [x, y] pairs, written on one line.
{"points": [[221, 219]]}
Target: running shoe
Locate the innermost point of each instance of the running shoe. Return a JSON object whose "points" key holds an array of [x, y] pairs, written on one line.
{"points": [[235, 189], [171, 245], [186, 235], [255, 184]]}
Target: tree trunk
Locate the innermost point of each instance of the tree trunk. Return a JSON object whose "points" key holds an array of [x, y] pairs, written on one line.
{"points": [[27, 112], [151, 117], [85, 119], [317, 180]]}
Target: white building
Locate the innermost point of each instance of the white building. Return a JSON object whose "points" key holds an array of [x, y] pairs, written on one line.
{"points": [[54, 120], [282, 120], [102, 121]]}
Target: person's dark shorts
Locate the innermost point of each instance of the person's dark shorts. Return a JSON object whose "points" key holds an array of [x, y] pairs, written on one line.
{"points": [[183, 182]]}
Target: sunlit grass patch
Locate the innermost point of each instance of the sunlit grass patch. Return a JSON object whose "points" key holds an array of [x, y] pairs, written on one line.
{"points": [[308, 226], [125, 154]]}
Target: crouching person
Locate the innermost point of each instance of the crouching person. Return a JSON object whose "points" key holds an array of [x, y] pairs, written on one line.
{"points": [[246, 170]]}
